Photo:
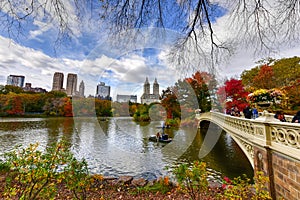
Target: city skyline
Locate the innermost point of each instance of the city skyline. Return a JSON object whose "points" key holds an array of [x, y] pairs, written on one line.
{"points": [[58, 85]]}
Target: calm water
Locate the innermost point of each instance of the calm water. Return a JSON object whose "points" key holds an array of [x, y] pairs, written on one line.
{"points": [[119, 146]]}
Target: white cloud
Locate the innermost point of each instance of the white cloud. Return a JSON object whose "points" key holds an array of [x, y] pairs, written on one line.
{"points": [[127, 73]]}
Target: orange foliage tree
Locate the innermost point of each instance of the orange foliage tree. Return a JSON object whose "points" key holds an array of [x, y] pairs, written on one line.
{"points": [[68, 107], [265, 78]]}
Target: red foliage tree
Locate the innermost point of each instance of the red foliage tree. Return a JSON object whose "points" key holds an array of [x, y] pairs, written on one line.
{"points": [[235, 94]]}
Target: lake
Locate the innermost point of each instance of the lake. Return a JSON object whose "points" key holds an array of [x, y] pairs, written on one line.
{"points": [[119, 146]]}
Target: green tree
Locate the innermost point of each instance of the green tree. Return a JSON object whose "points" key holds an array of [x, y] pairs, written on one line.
{"points": [[142, 113], [103, 108], [11, 88]]}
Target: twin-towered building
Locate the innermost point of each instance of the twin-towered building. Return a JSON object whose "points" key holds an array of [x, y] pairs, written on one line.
{"points": [[147, 97], [71, 87]]}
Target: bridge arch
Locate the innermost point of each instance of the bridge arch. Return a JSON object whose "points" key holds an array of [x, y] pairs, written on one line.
{"points": [[244, 145]]}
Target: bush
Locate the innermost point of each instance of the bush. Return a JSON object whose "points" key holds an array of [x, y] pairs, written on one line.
{"points": [[37, 175], [241, 188], [192, 179]]}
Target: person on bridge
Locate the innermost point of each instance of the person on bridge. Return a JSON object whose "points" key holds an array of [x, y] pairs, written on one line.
{"points": [[280, 116], [247, 112], [296, 118], [254, 113]]}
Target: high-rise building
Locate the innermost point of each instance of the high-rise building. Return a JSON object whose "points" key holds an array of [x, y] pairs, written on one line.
{"points": [[71, 84], [58, 80], [16, 80], [148, 98], [81, 89], [103, 91]]}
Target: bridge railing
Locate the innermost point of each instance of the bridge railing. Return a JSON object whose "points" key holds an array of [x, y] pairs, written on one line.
{"points": [[263, 131]]}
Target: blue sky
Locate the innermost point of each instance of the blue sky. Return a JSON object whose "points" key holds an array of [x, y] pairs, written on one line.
{"points": [[90, 55]]}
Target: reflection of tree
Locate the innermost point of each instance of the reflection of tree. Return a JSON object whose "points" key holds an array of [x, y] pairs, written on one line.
{"points": [[225, 157]]}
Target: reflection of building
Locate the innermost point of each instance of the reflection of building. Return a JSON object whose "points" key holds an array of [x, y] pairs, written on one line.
{"points": [[58, 80], [148, 98], [71, 84], [126, 98], [15, 80], [28, 88], [81, 89], [103, 91]]}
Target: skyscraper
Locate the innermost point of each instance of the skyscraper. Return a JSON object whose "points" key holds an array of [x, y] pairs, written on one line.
{"points": [[103, 91], [16, 80], [71, 84], [81, 89], [58, 80]]}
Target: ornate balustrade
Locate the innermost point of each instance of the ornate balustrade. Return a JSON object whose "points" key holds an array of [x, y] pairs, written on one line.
{"points": [[265, 131]]}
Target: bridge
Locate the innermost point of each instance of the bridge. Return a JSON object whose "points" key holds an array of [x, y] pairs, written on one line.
{"points": [[270, 145]]}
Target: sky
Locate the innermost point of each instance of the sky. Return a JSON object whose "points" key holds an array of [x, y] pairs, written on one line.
{"points": [[90, 54]]}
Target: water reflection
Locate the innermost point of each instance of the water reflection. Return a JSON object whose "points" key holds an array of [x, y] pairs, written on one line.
{"points": [[226, 157], [119, 146]]}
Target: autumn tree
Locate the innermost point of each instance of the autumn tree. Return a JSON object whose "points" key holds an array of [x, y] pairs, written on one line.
{"points": [[170, 102], [54, 106], [198, 83], [14, 104], [293, 94], [68, 112], [286, 70], [276, 74], [235, 94]]}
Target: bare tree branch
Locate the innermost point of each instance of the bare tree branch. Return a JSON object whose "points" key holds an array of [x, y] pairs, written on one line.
{"points": [[263, 24]]}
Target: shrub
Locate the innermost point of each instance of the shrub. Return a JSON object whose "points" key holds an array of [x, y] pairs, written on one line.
{"points": [[241, 188], [37, 175], [192, 179]]}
